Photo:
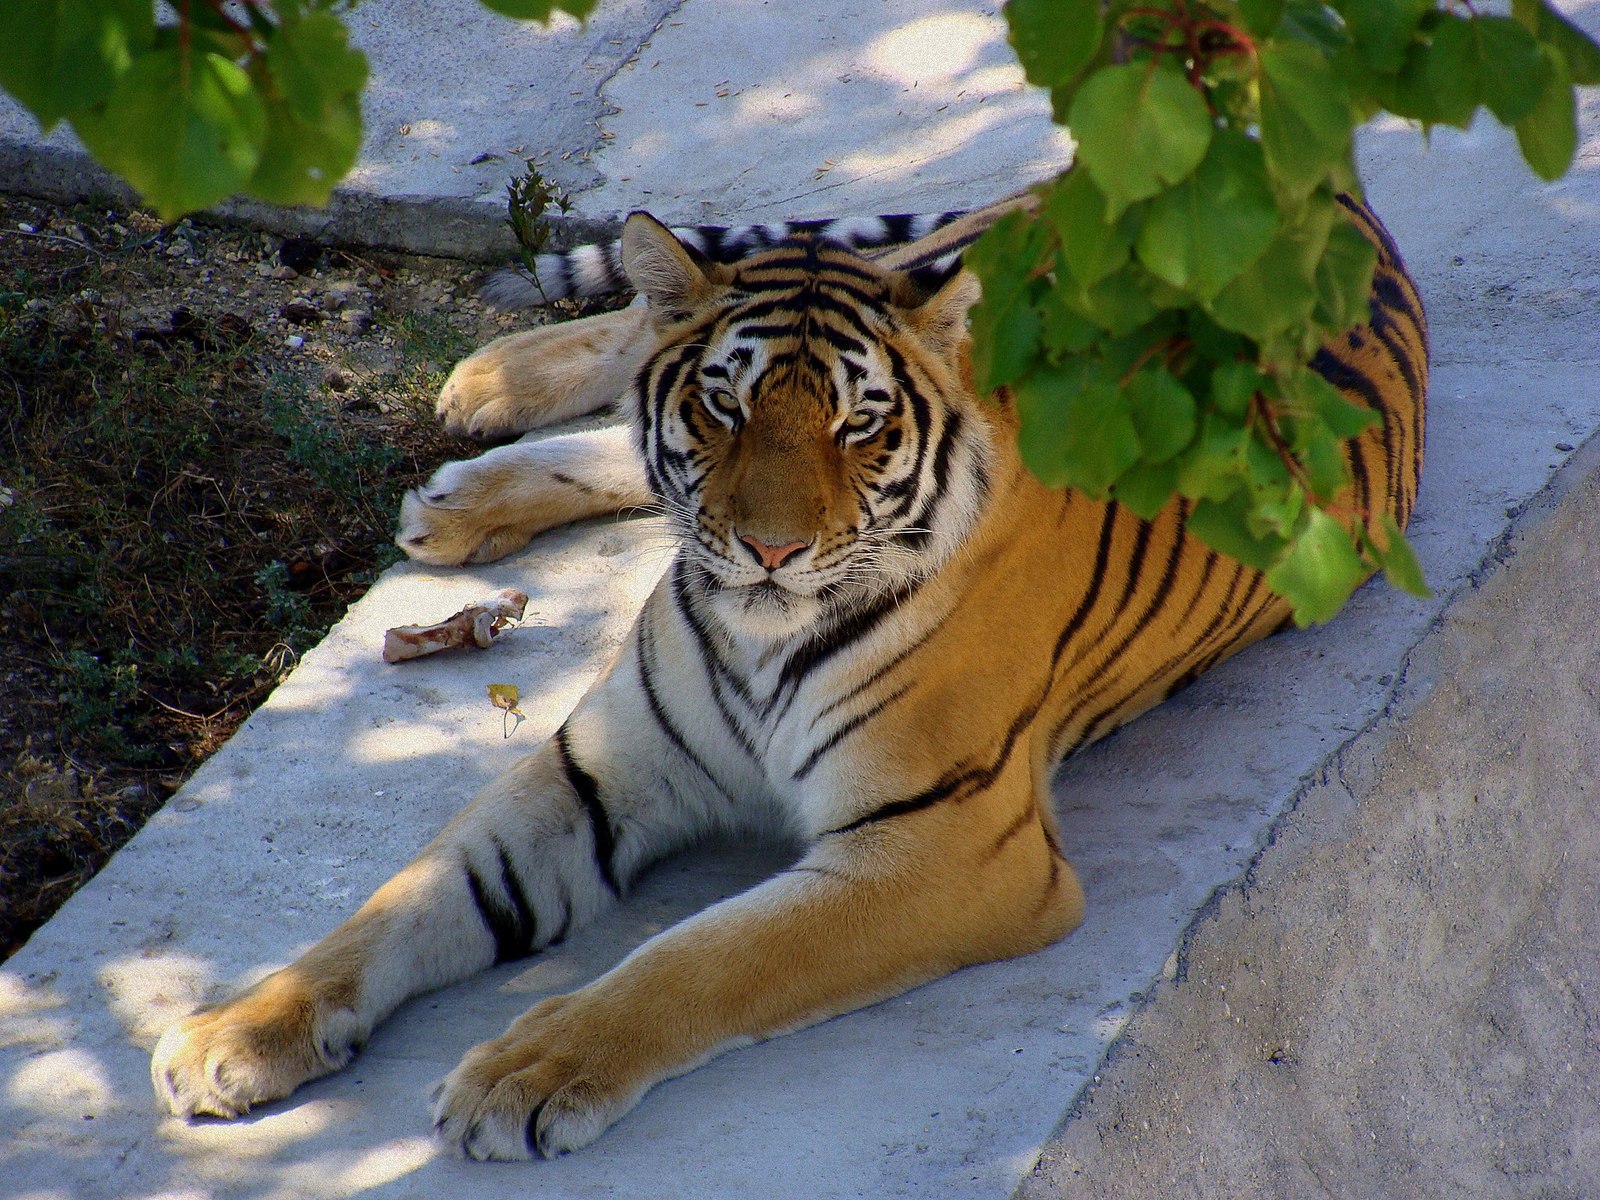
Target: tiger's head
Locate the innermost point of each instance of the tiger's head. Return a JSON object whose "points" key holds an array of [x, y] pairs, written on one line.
{"points": [[808, 423]]}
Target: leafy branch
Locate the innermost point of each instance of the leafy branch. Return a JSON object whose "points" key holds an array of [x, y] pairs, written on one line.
{"points": [[261, 97], [1154, 317]]}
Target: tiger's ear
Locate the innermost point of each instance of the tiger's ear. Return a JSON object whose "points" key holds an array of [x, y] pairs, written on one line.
{"points": [[673, 278], [939, 319]]}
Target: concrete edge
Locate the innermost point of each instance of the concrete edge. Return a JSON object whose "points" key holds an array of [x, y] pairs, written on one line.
{"points": [[1406, 694], [475, 231]]}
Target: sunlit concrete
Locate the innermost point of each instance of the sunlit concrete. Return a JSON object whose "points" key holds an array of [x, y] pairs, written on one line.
{"points": [[957, 1088]]}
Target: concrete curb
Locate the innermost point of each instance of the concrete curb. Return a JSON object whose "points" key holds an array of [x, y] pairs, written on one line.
{"points": [[1378, 1078]]}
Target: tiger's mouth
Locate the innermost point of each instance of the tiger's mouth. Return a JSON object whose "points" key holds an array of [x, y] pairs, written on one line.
{"points": [[768, 594], [765, 608]]}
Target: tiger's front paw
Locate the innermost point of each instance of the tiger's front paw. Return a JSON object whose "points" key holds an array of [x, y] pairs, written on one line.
{"points": [[257, 1047], [494, 394], [555, 1081], [472, 511]]}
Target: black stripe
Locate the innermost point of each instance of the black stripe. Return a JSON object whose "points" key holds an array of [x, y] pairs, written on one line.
{"points": [[530, 1131], [941, 454], [980, 777], [560, 935], [1204, 637], [669, 370], [794, 306], [1349, 378], [1089, 693], [714, 244], [840, 340], [844, 731], [585, 787], [1388, 331], [510, 919], [611, 261], [921, 418], [1018, 823], [716, 670], [955, 787], [826, 643], [644, 652], [881, 671]]}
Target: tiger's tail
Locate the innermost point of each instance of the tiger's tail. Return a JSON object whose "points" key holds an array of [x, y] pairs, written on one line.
{"points": [[596, 270]]}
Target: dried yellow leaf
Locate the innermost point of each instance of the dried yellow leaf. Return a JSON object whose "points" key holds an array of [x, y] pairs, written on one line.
{"points": [[506, 696]]}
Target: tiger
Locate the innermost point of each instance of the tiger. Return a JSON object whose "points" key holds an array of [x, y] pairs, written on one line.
{"points": [[878, 636]]}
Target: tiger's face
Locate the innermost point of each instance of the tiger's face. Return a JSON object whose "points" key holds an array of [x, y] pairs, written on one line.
{"points": [[808, 424]]}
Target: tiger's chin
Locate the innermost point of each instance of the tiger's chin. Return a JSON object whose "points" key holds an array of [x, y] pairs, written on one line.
{"points": [[766, 611]]}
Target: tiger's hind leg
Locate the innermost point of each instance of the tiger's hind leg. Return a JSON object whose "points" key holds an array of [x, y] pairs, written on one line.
{"points": [[480, 509], [541, 377]]}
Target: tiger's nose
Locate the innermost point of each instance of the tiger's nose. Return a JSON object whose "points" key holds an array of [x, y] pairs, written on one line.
{"points": [[771, 557]]}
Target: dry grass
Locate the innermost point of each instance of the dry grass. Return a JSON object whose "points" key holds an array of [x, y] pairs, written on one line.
{"points": [[201, 453]]}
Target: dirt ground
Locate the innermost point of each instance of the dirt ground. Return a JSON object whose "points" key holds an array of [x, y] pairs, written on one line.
{"points": [[204, 435]]}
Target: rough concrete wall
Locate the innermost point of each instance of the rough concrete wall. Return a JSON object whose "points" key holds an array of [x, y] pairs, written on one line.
{"points": [[1404, 999]]}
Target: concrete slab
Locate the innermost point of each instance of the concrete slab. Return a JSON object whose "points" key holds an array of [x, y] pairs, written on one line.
{"points": [[695, 109], [951, 1090]]}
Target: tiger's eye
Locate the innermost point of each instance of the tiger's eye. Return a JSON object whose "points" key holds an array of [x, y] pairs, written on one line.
{"points": [[861, 425], [723, 403]]}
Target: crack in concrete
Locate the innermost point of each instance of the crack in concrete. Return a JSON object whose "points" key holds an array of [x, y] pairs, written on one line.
{"points": [[607, 108]]}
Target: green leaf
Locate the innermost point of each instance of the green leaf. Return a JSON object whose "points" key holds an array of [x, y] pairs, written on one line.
{"points": [[1091, 246], [1279, 290], [1203, 233], [540, 10], [300, 162], [1399, 561], [1145, 488], [314, 64], [1005, 341], [1323, 457], [1214, 467], [1577, 49], [62, 56], [1223, 525], [1163, 413], [1054, 39], [1441, 82], [1076, 429], [1005, 326], [1138, 127], [1313, 22], [1549, 134], [1342, 416], [185, 129], [1382, 29], [1318, 571], [1513, 72], [1232, 386], [1344, 278], [313, 113], [1274, 510], [1261, 16], [1306, 120], [1065, 330]]}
